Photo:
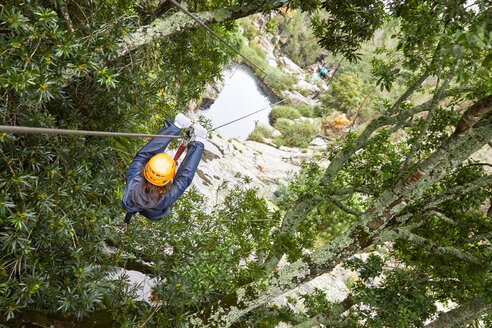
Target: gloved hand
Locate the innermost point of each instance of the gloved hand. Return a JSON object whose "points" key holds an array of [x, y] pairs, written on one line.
{"points": [[182, 121], [201, 133]]}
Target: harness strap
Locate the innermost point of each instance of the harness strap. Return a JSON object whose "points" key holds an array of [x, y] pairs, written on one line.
{"points": [[188, 137], [128, 217], [180, 151]]}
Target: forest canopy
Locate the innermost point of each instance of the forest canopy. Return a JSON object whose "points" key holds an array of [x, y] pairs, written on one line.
{"points": [[409, 188]]}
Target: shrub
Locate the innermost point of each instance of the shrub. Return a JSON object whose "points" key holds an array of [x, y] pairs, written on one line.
{"points": [[260, 132], [281, 81], [301, 46], [347, 93], [283, 124], [285, 112], [257, 49], [296, 135], [319, 111], [306, 110], [334, 124], [250, 31], [305, 92]]}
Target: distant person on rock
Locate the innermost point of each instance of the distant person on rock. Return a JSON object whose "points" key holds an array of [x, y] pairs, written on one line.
{"points": [[152, 183]]}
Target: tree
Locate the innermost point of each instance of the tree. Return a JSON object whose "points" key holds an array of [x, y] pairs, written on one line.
{"points": [[420, 194], [405, 185], [61, 66]]}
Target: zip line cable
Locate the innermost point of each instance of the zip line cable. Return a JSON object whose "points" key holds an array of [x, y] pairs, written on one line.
{"points": [[220, 126], [184, 10], [33, 130]]}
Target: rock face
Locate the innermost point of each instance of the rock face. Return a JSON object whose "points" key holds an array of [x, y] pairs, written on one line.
{"points": [[247, 164], [274, 59], [211, 93], [290, 65], [297, 98], [268, 48]]}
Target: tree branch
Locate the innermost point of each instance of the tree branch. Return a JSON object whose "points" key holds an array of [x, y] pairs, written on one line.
{"points": [[460, 190], [344, 208], [463, 314], [383, 211], [303, 207], [405, 234], [472, 114], [332, 319], [162, 28], [408, 92], [442, 217], [432, 106]]}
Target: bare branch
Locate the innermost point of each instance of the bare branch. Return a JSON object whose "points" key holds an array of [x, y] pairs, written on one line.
{"points": [[432, 106], [442, 217], [478, 164], [66, 16], [408, 93]]}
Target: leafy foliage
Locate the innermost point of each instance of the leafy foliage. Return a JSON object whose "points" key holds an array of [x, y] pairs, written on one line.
{"points": [[60, 247], [288, 112], [60, 194], [298, 134], [300, 45]]}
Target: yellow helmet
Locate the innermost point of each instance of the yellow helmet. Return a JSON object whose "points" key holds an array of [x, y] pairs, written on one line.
{"points": [[160, 169]]}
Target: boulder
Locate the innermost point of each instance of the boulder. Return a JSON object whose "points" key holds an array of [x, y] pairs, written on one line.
{"points": [[318, 142], [302, 84], [270, 59], [290, 65], [267, 47], [296, 97], [211, 93]]}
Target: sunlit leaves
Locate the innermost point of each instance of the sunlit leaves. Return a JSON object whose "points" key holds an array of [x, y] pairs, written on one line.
{"points": [[348, 24]]}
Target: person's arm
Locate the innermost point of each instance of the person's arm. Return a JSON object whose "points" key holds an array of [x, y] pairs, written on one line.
{"points": [[153, 147], [184, 175]]}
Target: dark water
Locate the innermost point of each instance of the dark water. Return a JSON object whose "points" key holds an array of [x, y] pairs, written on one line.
{"points": [[243, 93]]}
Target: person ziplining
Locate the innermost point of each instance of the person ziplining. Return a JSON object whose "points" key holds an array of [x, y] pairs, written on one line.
{"points": [[152, 182]]}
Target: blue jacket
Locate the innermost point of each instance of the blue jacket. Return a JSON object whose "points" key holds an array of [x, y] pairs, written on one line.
{"points": [[181, 181]]}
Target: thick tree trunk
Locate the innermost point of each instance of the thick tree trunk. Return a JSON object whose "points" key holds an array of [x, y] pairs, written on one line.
{"points": [[385, 210], [304, 206], [462, 315], [167, 26]]}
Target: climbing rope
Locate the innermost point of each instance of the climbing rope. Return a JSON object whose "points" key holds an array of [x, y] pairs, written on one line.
{"points": [[32, 130]]}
